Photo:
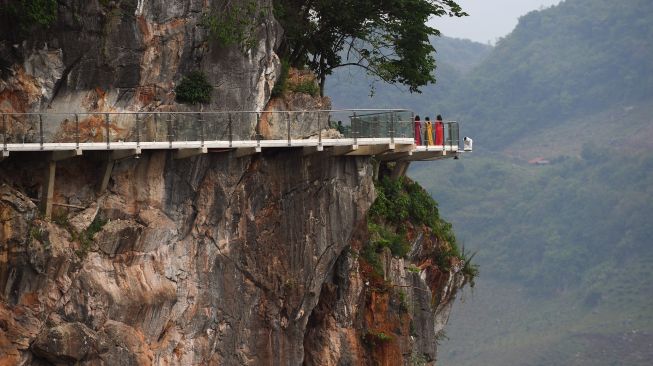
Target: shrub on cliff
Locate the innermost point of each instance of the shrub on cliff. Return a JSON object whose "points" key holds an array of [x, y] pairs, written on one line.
{"points": [[194, 88], [400, 202], [27, 14]]}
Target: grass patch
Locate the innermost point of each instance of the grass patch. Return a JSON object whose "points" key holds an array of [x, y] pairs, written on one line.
{"points": [[281, 85], [307, 87], [85, 238], [373, 338]]}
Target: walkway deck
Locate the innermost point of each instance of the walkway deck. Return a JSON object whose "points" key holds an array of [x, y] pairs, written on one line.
{"points": [[388, 134]]}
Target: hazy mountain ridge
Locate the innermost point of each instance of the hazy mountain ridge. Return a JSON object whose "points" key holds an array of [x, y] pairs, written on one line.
{"points": [[567, 61], [351, 86]]}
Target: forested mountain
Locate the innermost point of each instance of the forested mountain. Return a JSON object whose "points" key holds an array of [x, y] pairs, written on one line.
{"points": [[565, 246], [570, 60]]}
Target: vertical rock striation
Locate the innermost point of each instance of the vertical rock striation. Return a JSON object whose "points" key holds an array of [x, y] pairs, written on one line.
{"points": [[218, 261]]}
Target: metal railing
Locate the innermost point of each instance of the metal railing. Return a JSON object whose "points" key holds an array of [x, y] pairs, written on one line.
{"points": [[446, 135], [168, 130], [84, 129]]}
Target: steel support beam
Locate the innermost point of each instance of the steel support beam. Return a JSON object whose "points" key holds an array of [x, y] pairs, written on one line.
{"points": [[47, 191]]}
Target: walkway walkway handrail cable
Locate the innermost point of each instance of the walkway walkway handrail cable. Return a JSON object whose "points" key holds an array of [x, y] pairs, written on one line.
{"points": [[52, 131]]}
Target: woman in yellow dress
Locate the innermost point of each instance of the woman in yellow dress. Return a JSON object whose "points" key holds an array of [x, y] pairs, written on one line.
{"points": [[429, 132]]}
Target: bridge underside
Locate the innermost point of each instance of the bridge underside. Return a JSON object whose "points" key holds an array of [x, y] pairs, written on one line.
{"points": [[400, 150], [386, 149]]}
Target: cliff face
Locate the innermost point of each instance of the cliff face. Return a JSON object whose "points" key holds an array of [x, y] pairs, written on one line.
{"points": [[214, 260], [209, 260], [220, 260], [118, 55]]}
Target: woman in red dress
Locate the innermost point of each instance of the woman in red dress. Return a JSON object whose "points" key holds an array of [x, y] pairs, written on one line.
{"points": [[418, 131], [439, 131]]}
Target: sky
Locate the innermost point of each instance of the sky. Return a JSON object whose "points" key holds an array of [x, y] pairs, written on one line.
{"points": [[488, 20]]}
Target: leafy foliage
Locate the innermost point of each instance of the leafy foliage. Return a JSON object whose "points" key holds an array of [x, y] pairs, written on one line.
{"points": [[307, 87], [28, 14], [235, 24], [85, 238], [389, 39], [398, 203], [281, 85], [405, 200], [194, 88]]}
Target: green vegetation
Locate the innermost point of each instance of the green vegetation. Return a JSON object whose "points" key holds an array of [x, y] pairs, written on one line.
{"points": [[389, 39], [405, 200], [235, 24], [37, 233], [307, 87], [85, 238], [60, 217], [374, 338], [281, 85], [29, 14], [402, 203], [194, 88]]}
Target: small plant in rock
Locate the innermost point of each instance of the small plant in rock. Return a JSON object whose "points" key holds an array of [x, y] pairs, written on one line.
{"points": [[281, 85], [307, 87], [413, 269], [194, 88], [60, 217], [374, 338], [85, 238]]}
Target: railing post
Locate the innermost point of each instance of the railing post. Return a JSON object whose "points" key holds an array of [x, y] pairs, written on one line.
{"points": [[258, 130], [138, 131], [392, 127], [169, 122], [156, 126], [412, 125], [354, 132], [108, 130], [288, 126], [41, 129], [319, 129], [231, 132], [77, 132], [4, 132], [201, 120]]}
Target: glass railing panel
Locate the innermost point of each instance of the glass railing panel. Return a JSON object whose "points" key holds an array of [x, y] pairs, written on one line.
{"points": [[216, 126], [188, 127]]}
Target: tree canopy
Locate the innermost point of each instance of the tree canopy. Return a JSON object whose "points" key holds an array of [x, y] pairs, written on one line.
{"points": [[389, 38]]}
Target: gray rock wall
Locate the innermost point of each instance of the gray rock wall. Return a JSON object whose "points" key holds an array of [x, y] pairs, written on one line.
{"points": [[214, 260]]}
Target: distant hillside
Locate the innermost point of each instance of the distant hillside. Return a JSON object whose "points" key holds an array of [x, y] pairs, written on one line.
{"points": [[576, 58], [462, 54], [352, 87]]}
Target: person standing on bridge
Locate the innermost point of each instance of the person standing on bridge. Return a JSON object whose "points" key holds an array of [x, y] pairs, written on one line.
{"points": [[429, 132], [439, 131], [418, 131]]}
